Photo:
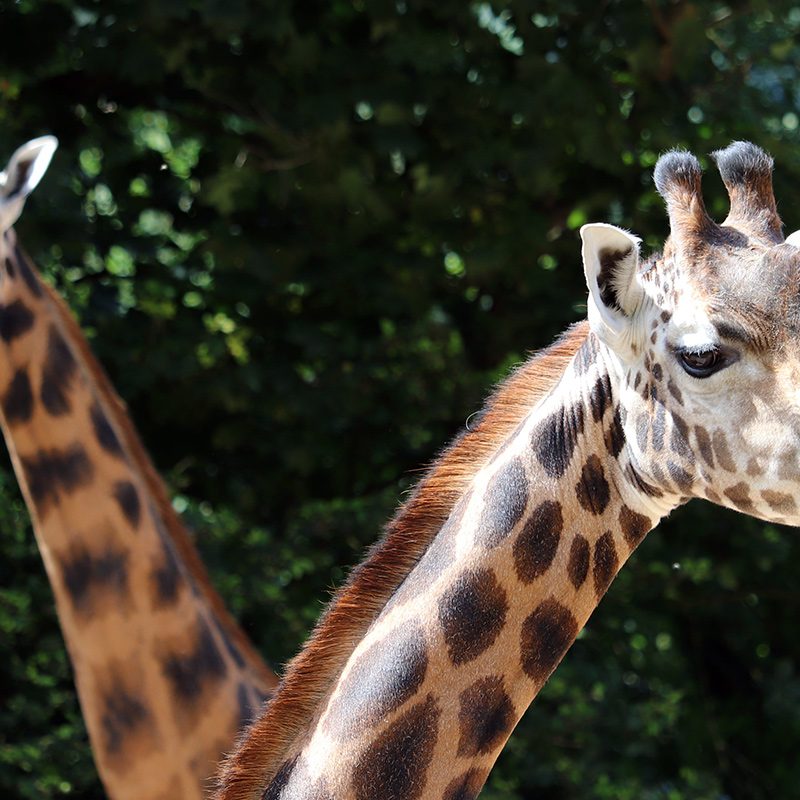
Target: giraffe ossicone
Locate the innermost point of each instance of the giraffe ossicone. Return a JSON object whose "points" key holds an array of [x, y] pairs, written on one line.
{"points": [[684, 382]]}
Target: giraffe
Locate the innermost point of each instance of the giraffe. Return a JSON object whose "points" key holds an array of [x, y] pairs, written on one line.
{"points": [[165, 677], [681, 383]]}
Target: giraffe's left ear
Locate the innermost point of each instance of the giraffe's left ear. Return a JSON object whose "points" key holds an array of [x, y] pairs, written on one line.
{"points": [[22, 175], [610, 261]]}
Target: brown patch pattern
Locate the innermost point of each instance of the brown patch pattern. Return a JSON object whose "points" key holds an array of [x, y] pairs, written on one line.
{"points": [[466, 786], [634, 525], [485, 716], [614, 435], [536, 546], [384, 678], [555, 438], [18, 399], [605, 564], [578, 564], [720, 443], [704, 444], [396, 763], [739, 495], [472, 613], [592, 489], [505, 501], [546, 635], [780, 502]]}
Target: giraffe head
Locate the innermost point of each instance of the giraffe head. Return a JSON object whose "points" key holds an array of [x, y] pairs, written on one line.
{"points": [[22, 175], [704, 340]]}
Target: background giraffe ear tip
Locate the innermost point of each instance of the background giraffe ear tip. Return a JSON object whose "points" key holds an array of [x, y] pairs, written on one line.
{"points": [[26, 168]]}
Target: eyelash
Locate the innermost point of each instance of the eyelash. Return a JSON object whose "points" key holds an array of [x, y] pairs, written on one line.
{"points": [[703, 363]]}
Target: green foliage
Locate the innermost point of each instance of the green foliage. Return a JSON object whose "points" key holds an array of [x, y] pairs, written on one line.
{"points": [[306, 239]]}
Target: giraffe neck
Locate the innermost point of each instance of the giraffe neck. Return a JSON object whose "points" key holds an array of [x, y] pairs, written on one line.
{"points": [[430, 693], [164, 676]]}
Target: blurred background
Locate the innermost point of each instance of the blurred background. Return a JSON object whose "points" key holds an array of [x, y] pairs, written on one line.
{"points": [[306, 239]]}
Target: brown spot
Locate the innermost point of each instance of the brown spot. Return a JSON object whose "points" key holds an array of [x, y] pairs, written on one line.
{"points": [[605, 564], [659, 428], [658, 474], [712, 495], [722, 452], [592, 489], [546, 635], [395, 765], [128, 501], [466, 786], [505, 501], [485, 717], [165, 573], [537, 543], [578, 564], [675, 392], [614, 435], [600, 396], [90, 577], [666, 316], [780, 502], [704, 443], [554, 439], [51, 473], [658, 373], [472, 613], [382, 679], [58, 370], [104, 432], [754, 468], [634, 526], [18, 400], [653, 339], [679, 439], [637, 380], [683, 480], [16, 319], [123, 714], [739, 495], [191, 670]]}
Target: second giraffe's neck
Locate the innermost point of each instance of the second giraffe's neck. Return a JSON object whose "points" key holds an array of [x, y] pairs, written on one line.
{"points": [[165, 677], [431, 692]]}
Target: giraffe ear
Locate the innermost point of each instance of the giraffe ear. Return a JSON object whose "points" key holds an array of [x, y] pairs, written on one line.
{"points": [[22, 175], [610, 261]]}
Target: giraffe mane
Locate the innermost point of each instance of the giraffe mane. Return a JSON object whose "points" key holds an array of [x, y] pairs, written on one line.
{"points": [[310, 676], [116, 412]]}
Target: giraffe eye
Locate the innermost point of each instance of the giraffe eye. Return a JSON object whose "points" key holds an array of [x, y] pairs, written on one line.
{"points": [[702, 363]]}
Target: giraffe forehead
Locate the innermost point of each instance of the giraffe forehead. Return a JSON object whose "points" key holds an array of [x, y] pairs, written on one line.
{"points": [[739, 289]]}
